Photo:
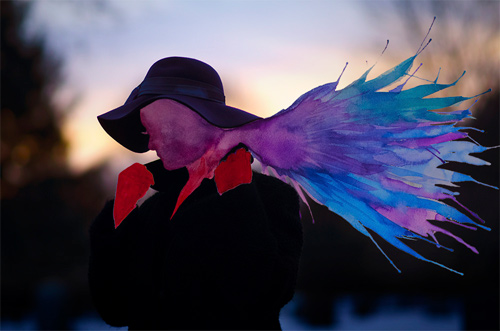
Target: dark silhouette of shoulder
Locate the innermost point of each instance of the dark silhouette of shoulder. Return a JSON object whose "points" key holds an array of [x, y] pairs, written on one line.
{"points": [[222, 262]]}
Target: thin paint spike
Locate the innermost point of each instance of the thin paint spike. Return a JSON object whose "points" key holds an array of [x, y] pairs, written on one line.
{"points": [[386, 45], [421, 49], [300, 192], [387, 257], [437, 77], [445, 267], [400, 87], [455, 82], [484, 184], [338, 79], [383, 51]]}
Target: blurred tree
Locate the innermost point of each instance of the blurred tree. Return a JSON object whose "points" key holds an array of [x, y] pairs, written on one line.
{"points": [[45, 208], [32, 145], [466, 36]]}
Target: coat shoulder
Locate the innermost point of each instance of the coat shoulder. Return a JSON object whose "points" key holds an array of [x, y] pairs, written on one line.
{"points": [[276, 190]]}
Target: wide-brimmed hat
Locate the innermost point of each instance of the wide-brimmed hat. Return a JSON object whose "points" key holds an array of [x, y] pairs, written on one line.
{"points": [[188, 81]]}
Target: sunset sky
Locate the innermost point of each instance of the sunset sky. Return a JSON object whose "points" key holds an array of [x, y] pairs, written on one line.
{"points": [[267, 52]]}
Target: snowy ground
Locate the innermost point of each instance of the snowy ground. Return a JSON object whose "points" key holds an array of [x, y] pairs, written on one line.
{"points": [[389, 315]]}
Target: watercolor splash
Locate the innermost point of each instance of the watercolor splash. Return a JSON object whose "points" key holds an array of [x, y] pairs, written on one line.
{"points": [[373, 157]]}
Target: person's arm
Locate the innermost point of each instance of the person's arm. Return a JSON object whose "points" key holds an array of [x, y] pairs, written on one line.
{"points": [[108, 266], [283, 209]]}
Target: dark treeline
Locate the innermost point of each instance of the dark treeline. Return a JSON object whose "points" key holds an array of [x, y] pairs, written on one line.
{"points": [[45, 208]]}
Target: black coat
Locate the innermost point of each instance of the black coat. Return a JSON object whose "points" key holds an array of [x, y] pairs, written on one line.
{"points": [[222, 262]]}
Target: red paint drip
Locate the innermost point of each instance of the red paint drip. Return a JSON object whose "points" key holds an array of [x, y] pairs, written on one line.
{"points": [[197, 172], [234, 171], [133, 183], [230, 173]]}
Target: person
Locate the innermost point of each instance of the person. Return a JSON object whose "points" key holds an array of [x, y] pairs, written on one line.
{"points": [[221, 261]]}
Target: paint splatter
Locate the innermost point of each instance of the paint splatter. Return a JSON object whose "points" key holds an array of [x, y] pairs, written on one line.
{"points": [[373, 157]]}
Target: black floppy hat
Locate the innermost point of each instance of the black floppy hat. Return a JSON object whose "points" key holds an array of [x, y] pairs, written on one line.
{"points": [[188, 81]]}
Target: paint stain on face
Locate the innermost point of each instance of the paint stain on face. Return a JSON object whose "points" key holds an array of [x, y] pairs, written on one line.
{"points": [[178, 134]]}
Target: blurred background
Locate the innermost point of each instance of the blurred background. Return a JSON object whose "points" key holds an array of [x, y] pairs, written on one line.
{"points": [[65, 62]]}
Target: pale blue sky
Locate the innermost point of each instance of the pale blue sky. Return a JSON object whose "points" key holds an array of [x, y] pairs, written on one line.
{"points": [[267, 52]]}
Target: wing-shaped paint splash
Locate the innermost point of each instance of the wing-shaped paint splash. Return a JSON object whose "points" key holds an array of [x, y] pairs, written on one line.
{"points": [[374, 157]]}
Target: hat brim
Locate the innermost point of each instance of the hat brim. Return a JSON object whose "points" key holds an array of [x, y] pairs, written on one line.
{"points": [[124, 123]]}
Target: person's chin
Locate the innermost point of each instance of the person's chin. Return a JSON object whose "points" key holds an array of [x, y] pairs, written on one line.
{"points": [[169, 166]]}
